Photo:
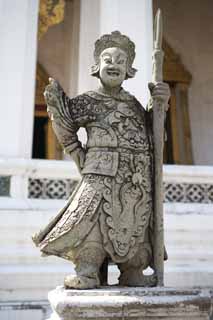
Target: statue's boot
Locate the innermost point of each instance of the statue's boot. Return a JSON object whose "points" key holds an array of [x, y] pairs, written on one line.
{"points": [[86, 277], [88, 259], [132, 270], [133, 277]]}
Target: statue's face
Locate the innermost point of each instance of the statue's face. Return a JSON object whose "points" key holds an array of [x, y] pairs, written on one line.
{"points": [[113, 67]]}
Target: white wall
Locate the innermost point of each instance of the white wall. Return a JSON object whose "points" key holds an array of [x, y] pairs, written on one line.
{"points": [[188, 28]]}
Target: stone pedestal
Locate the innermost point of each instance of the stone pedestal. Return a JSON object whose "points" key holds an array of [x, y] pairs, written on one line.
{"points": [[130, 303]]}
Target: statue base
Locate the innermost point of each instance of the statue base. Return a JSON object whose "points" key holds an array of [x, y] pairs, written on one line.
{"points": [[122, 303]]}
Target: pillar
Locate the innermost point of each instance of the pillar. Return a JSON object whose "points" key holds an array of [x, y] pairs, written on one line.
{"points": [[18, 35]]}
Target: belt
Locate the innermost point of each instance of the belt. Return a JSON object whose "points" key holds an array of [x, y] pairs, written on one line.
{"points": [[118, 149]]}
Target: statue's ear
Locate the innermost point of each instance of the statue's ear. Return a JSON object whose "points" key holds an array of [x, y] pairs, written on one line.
{"points": [[130, 72], [95, 70]]}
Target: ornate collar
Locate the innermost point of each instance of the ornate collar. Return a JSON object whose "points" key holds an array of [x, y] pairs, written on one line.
{"points": [[122, 95]]}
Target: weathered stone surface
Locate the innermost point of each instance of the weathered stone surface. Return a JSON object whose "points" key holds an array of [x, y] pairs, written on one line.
{"points": [[131, 303], [113, 213]]}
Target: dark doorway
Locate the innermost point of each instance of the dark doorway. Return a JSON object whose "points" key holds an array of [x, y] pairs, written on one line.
{"points": [[39, 138]]}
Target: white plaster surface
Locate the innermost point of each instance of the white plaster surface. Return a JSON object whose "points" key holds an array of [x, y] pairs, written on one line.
{"points": [[39, 168], [188, 28], [18, 33]]}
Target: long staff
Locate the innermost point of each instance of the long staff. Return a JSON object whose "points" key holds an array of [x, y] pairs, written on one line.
{"points": [[158, 132]]}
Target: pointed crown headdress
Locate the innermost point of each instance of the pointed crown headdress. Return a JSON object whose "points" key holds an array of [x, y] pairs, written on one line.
{"points": [[118, 40]]}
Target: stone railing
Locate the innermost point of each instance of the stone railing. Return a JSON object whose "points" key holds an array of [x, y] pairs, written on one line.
{"points": [[188, 184], [48, 179], [22, 180]]}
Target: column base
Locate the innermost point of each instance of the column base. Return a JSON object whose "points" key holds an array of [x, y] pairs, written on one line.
{"points": [[122, 303]]}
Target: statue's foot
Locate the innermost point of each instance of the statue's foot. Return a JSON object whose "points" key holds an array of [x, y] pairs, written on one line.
{"points": [[135, 278], [80, 282]]}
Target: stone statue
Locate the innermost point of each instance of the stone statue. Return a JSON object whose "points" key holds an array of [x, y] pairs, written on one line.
{"points": [[110, 214]]}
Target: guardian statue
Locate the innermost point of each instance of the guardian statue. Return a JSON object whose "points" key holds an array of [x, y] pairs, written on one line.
{"points": [[110, 213]]}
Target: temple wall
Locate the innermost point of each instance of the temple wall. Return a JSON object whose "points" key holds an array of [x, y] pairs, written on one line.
{"points": [[58, 49], [189, 30], [71, 59]]}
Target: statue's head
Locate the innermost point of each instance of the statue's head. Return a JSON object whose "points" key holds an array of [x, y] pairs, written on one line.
{"points": [[114, 55]]}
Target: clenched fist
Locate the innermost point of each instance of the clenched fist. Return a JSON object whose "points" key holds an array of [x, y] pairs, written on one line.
{"points": [[161, 92]]}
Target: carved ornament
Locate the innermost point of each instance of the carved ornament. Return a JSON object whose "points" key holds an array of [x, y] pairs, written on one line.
{"points": [[51, 12]]}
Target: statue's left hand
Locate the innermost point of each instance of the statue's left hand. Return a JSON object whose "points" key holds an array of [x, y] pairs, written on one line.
{"points": [[78, 155], [161, 92]]}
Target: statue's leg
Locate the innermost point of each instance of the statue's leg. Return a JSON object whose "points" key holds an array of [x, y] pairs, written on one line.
{"points": [[88, 258], [132, 270]]}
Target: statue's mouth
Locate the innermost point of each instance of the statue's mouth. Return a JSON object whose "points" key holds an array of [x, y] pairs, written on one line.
{"points": [[113, 73]]}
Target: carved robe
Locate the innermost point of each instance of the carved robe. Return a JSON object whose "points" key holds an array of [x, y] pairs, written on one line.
{"points": [[116, 189]]}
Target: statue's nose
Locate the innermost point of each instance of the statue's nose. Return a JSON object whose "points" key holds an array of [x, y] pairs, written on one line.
{"points": [[114, 63]]}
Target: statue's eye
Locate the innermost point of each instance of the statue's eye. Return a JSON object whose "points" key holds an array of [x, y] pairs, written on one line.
{"points": [[107, 60], [121, 61]]}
